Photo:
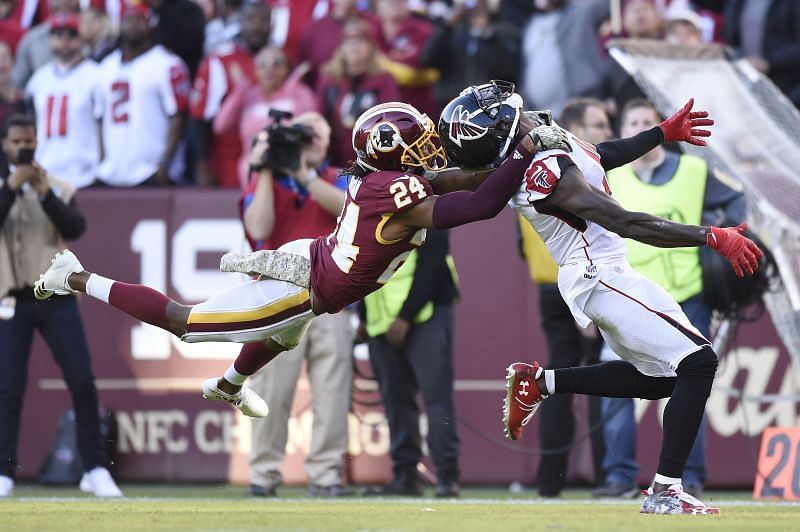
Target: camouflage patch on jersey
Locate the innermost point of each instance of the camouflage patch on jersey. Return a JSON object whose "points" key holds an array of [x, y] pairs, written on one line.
{"points": [[273, 264]]}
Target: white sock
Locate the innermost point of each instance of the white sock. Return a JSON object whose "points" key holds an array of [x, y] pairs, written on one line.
{"points": [[667, 481], [99, 287], [550, 381], [234, 377]]}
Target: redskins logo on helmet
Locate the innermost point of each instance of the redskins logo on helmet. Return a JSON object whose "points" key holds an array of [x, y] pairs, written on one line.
{"points": [[384, 137], [395, 136]]}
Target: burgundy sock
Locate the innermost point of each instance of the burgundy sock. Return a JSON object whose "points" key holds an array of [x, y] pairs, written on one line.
{"points": [[252, 358], [141, 302]]}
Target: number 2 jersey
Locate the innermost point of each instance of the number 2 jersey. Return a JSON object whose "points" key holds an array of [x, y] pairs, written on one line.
{"points": [[569, 238], [356, 259]]}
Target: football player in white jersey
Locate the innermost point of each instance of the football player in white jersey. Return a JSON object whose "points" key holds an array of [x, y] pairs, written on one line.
{"points": [[145, 96], [64, 94], [565, 197]]}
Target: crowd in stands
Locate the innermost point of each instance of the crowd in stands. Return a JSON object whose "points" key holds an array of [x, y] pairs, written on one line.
{"points": [[181, 87]]}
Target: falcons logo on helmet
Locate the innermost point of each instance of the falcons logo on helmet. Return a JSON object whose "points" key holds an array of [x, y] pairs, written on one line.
{"points": [[462, 128]]}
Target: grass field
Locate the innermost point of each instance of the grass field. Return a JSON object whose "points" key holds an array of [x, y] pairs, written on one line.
{"points": [[159, 507]]}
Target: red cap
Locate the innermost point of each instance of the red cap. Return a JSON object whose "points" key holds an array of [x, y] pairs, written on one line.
{"points": [[60, 21], [136, 7]]}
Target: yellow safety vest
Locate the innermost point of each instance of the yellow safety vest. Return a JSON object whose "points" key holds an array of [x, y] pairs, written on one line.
{"points": [[385, 304], [541, 266], [680, 199]]}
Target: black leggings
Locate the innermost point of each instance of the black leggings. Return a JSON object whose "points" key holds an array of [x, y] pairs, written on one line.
{"points": [[688, 392]]}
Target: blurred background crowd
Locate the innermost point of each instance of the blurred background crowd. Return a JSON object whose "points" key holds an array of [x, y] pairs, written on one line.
{"points": [[181, 87]]}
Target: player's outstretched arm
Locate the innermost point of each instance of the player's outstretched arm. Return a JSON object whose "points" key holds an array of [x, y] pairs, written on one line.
{"points": [[462, 207], [683, 126], [575, 195]]}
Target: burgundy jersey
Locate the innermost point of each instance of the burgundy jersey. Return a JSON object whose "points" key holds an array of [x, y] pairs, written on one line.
{"points": [[355, 259]]}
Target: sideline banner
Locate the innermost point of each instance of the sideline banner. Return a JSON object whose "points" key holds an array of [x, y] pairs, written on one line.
{"points": [[172, 240]]}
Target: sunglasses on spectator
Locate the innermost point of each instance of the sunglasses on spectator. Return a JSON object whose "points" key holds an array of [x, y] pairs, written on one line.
{"points": [[63, 32], [271, 63]]}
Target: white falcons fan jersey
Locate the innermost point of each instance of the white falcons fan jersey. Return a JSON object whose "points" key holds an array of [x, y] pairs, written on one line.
{"points": [[569, 238], [139, 98], [66, 105]]}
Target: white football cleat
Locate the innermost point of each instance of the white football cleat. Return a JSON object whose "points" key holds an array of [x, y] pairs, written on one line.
{"points": [[674, 501], [54, 280], [99, 483], [246, 400], [6, 486]]}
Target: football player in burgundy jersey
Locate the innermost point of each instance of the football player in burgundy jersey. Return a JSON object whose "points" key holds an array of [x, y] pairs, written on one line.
{"points": [[389, 205], [565, 197]]}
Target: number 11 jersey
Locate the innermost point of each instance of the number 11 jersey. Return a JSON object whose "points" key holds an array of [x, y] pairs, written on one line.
{"points": [[356, 259]]}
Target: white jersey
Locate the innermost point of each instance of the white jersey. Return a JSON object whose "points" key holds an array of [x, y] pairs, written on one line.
{"points": [[139, 98], [66, 104], [570, 239]]}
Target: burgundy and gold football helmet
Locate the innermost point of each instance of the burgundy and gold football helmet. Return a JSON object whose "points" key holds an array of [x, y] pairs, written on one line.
{"points": [[395, 136]]}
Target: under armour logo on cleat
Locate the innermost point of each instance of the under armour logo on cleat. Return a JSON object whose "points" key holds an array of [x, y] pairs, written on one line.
{"points": [[524, 390]]}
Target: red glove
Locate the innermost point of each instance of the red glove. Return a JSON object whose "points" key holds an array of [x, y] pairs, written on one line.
{"points": [[681, 126], [741, 252]]}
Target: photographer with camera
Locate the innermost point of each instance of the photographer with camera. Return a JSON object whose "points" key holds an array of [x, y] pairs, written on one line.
{"points": [[37, 212], [296, 195]]}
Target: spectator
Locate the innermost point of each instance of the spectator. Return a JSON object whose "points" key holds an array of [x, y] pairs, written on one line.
{"points": [[678, 187], [247, 108], [640, 20], [145, 92], [65, 97], [37, 212], [34, 49], [10, 29], [224, 27], [402, 39], [351, 83], [683, 28], [567, 344], [98, 39], [10, 96], [471, 48], [409, 322], [767, 32], [291, 17], [322, 37], [279, 208], [217, 156], [180, 28], [562, 40]]}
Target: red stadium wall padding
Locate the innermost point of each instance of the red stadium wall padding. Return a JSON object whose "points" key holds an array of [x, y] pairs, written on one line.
{"points": [[172, 240]]}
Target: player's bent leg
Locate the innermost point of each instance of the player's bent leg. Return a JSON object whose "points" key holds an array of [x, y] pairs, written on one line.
{"points": [[615, 378], [527, 386], [269, 316], [231, 388]]}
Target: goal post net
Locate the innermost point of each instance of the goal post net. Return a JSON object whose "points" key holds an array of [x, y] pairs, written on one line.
{"points": [[756, 140]]}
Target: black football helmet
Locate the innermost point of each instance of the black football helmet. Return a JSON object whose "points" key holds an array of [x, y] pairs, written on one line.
{"points": [[478, 127]]}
